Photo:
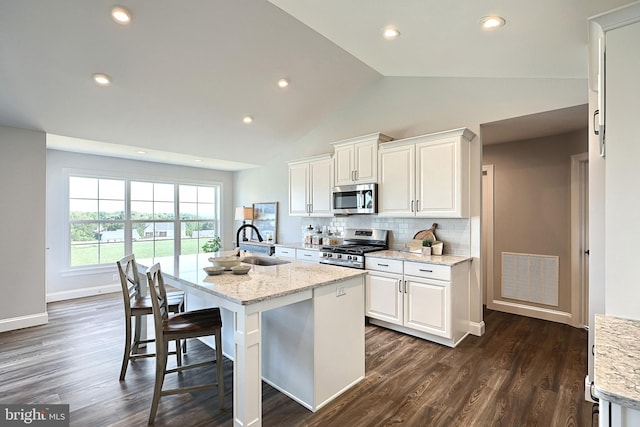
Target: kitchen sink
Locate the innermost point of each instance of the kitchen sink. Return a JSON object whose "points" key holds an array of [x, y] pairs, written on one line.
{"points": [[258, 260]]}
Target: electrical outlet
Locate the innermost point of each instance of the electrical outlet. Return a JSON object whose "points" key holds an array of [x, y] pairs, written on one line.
{"points": [[340, 291], [114, 277]]}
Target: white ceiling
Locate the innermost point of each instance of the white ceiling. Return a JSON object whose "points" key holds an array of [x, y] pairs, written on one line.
{"points": [[184, 78]]}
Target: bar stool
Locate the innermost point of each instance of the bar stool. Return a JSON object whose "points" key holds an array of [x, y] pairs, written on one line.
{"points": [[136, 306], [190, 324]]}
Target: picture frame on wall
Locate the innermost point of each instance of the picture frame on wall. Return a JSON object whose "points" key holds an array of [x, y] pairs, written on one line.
{"points": [[265, 218]]}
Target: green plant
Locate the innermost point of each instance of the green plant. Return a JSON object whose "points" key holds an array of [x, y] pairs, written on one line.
{"points": [[427, 243], [212, 245]]}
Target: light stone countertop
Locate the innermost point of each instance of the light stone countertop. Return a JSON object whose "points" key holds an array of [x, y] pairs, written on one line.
{"points": [[427, 259], [264, 282], [617, 360]]}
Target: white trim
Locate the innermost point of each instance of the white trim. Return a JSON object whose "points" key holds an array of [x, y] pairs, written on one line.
{"points": [[21, 322], [488, 233], [579, 238], [477, 329], [83, 292], [533, 311]]}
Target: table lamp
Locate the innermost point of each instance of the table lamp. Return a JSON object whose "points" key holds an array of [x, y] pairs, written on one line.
{"points": [[243, 214]]}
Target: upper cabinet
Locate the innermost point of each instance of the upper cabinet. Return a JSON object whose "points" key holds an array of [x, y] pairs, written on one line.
{"points": [[425, 176], [310, 186], [356, 159]]}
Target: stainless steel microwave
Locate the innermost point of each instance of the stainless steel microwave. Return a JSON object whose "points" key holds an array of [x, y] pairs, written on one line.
{"points": [[357, 199]]}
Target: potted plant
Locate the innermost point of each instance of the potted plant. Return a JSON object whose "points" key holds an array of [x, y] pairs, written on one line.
{"points": [[426, 247], [212, 245]]}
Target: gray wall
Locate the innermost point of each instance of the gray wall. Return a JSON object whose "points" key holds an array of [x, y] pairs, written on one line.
{"points": [[63, 283], [22, 227], [532, 202]]}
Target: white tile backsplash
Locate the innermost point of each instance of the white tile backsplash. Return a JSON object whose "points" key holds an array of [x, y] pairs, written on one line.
{"points": [[455, 233]]}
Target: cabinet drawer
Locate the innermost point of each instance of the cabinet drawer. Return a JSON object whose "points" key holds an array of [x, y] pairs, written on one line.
{"points": [[428, 271], [285, 252], [308, 255], [383, 264]]}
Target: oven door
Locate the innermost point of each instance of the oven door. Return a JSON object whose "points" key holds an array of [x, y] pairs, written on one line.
{"points": [[354, 199]]}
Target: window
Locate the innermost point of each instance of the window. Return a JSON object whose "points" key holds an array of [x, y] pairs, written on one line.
{"points": [[111, 217]]}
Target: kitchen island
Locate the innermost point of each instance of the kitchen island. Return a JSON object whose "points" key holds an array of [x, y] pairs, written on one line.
{"points": [[298, 326]]}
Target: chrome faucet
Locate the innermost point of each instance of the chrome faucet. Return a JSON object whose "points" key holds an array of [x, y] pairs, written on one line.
{"points": [[242, 227]]}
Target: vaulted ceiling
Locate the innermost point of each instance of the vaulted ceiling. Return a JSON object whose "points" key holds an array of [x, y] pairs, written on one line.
{"points": [[185, 73]]}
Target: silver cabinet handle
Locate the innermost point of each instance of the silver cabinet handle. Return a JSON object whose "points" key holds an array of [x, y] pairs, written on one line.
{"points": [[306, 255], [412, 206], [426, 271], [400, 286], [405, 286], [417, 205], [355, 174], [383, 265]]}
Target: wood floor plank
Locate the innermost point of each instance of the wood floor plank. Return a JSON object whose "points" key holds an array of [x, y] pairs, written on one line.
{"points": [[522, 372]]}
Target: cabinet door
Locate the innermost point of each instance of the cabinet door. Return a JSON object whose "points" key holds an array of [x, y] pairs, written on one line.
{"points": [[383, 297], [426, 306], [396, 175], [344, 165], [366, 162], [298, 189], [320, 188], [438, 178]]}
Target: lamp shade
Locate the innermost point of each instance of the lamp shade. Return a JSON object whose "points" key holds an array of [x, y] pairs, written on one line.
{"points": [[243, 213]]}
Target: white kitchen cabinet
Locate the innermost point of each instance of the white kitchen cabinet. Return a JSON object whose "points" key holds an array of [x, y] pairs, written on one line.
{"points": [[425, 176], [285, 252], [356, 159], [308, 255], [383, 290], [430, 301], [310, 186]]}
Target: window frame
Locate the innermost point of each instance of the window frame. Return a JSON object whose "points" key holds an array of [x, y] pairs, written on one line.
{"points": [[70, 270]]}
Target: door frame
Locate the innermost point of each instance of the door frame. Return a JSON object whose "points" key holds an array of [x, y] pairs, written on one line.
{"points": [[487, 233], [580, 240]]}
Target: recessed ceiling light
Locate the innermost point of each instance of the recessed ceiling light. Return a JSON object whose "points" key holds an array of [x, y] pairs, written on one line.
{"points": [[283, 83], [492, 22], [197, 160], [141, 152], [390, 33], [121, 15], [247, 119], [101, 79]]}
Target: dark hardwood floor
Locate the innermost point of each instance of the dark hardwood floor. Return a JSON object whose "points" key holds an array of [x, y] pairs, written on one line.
{"points": [[522, 372]]}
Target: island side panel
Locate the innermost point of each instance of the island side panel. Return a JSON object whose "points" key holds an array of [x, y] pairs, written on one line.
{"points": [[339, 317], [287, 351]]}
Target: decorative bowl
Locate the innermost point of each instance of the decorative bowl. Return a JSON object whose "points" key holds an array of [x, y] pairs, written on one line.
{"points": [[226, 261], [240, 269], [214, 269]]}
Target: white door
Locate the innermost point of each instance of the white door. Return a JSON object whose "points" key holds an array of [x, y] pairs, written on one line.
{"points": [[396, 187], [384, 297], [426, 306], [298, 188], [320, 187], [366, 162], [436, 178], [343, 164]]}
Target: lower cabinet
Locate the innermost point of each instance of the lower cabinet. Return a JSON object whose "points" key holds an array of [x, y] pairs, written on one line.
{"points": [[430, 301], [285, 252]]}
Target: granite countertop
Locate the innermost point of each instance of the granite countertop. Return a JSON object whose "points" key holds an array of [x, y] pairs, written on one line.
{"points": [[265, 282], [427, 259], [617, 360]]}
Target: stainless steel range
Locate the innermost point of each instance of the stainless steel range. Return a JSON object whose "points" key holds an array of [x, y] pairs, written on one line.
{"points": [[357, 242]]}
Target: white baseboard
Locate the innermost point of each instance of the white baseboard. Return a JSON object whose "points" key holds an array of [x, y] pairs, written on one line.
{"points": [[14, 323], [476, 328], [532, 311], [83, 292]]}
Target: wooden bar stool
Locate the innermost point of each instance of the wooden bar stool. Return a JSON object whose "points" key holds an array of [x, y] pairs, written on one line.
{"points": [[190, 324], [136, 306]]}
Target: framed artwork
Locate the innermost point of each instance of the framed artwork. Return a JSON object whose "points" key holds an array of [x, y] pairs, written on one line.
{"points": [[265, 218]]}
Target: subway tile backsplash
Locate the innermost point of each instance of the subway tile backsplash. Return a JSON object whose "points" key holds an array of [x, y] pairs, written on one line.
{"points": [[455, 233]]}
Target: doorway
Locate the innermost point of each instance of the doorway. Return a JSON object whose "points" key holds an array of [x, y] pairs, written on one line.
{"points": [[580, 239]]}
